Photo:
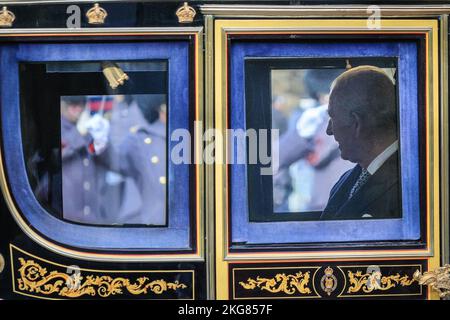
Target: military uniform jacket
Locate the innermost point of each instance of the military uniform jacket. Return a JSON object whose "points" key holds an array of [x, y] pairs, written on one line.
{"points": [[379, 197], [142, 156], [120, 195], [82, 176]]}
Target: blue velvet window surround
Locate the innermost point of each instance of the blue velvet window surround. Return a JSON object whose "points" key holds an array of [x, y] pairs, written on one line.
{"points": [[405, 228], [176, 236]]}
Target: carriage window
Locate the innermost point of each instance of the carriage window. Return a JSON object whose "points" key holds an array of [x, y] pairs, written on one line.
{"points": [[335, 158], [95, 136]]}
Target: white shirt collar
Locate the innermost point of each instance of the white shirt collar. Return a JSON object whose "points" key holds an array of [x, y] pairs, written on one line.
{"points": [[382, 157]]}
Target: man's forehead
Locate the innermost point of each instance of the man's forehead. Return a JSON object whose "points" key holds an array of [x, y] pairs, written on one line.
{"points": [[331, 107], [337, 98], [330, 111]]}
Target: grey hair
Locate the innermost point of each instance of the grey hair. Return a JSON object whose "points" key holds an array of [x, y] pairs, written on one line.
{"points": [[370, 93]]}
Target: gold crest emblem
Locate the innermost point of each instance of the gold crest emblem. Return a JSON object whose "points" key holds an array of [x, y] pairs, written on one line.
{"points": [[185, 13], [6, 17], [328, 282], [96, 15]]}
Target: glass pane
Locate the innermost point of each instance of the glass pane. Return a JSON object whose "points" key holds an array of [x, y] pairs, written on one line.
{"points": [[311, 162], [113, 159], [97, 154]]}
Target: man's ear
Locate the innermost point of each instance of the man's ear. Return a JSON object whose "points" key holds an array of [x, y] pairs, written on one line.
{"points": [[357, 123]]}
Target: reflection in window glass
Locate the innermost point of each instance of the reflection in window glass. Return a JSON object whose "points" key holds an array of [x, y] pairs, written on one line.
{"points": [[310, 159], [96, 153], [113, 159]]}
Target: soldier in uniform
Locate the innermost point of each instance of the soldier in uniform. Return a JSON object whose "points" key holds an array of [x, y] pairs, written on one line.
{"points": [[120, 195], [125, 115], [81, 171], [142, 157]]}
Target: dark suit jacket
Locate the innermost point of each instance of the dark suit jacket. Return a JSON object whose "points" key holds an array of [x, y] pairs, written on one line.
{"points": [[380, 196]]}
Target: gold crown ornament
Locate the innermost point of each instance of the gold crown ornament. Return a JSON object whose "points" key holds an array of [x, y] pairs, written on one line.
{"points": [[96, 15], [328, 271], [185, 13], [6, 17]]}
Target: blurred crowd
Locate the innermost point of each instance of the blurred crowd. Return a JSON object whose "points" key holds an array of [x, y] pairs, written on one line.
{"points": [[310, 160], [113, 158]]}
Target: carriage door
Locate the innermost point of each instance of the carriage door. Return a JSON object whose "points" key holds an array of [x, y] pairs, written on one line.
{"points": [[280, 229], [92, 207]]}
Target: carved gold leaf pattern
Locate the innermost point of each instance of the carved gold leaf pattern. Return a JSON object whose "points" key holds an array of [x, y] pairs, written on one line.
{"points": [[36, 279], [369, 282], [438, 280], [289, 284]]}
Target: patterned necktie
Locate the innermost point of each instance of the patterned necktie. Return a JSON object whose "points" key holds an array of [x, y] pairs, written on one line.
{"points": [[362, 179]]}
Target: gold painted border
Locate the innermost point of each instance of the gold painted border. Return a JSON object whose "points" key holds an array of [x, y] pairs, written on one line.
{"points": [[13, 270], [320, 11], [196, 32], [225, 27], [445, 163], [377, 295], [209, 168], [317, 295]]}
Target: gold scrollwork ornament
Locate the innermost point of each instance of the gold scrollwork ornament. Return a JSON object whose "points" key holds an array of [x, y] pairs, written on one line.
{"points": [[185, 13], [36, 279], [289, 284], [374, 281], [6, 17], [438, 280]]}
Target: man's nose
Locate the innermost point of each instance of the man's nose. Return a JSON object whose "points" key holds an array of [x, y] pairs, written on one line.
{"points": [[329, 129]]}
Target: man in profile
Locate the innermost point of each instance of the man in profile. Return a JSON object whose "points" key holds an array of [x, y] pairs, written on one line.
{"points": [[363, 120]]}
